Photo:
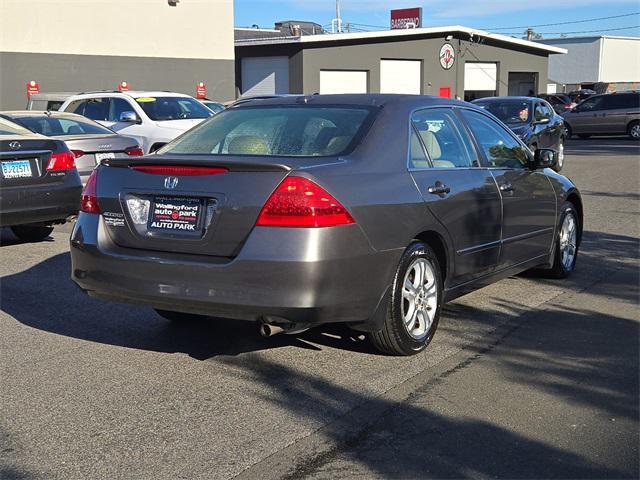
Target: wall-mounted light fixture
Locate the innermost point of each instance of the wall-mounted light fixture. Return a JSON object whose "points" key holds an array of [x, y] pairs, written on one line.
{"points": [[448, 38], [173, 3]]}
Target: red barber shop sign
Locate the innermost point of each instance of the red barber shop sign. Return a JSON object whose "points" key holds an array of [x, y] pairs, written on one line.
{"points": [[406, 18]]}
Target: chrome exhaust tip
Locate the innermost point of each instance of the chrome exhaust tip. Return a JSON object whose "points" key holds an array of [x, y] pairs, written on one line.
{"points": [[268, 330]]}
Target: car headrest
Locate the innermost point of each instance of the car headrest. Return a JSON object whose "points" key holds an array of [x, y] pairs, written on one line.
{"points": [[418, 158], [74, 130], [324, 137], [337, 145], [443, 164], [431, 143], [248, 145]]}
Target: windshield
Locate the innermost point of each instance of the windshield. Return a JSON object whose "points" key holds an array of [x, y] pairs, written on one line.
{"points": [[215, 106], [9, 128], [294, 131], [173, 108], [61, 126], [509, 111]]}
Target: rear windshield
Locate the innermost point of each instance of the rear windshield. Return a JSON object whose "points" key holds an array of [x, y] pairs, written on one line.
{"points": [[509, 111], [10, 128], [54, 126], [172, 108], [292, 131]]}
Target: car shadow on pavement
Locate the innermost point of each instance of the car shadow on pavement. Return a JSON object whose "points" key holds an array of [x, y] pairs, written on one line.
{"points": [[7, 238], [44, 297], [409, 439]]}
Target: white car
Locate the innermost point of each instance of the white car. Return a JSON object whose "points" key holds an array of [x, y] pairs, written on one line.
{"points": [[153, 118]]}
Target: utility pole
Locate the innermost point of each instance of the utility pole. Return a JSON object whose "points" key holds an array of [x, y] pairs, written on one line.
{"points": [[338, 20], [530, 33]]}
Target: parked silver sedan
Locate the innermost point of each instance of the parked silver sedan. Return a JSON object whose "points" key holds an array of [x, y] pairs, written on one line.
{"points": [[89, 141]]}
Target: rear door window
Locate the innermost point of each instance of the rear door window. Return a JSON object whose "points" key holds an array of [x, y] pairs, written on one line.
{"points": [[93, 108], [621, 100], [446, 144]]}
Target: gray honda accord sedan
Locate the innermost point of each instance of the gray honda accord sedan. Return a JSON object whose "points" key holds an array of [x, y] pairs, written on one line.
{"points": [[371, 210]]}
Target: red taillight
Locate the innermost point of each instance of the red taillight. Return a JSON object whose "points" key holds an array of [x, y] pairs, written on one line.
{"points": [[61, 161], [179, 171], [134, 151], [298, 202], [568, 106], [89, 200], [77, 153]]}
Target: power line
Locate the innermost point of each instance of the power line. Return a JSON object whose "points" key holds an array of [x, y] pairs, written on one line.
{"points": [[573, 33], [630, 14]]}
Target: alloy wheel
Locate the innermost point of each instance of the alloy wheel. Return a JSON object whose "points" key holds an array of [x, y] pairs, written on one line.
{"points": [[635, 131], [419, 298], [568, 240]]}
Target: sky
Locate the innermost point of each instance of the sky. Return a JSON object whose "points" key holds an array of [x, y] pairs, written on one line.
{"points": [[501, 16]]}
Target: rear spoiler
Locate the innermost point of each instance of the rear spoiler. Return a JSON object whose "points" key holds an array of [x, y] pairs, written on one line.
{"points": [[233, 164]]}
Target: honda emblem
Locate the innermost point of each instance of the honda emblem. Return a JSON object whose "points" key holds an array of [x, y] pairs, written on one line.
{"points": [[171, 182]]}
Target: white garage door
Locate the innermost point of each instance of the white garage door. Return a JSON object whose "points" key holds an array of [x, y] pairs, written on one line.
{"points": [[400, 76], [480, 76], [343, 81], [265, 76]]}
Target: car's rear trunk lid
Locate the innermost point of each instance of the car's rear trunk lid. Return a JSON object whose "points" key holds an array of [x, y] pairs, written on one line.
{"points": [[24, 162], [92, 149], [172, 211]]}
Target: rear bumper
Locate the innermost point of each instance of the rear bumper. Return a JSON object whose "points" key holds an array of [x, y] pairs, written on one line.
{"points": [[48, 203], [302, 275]]}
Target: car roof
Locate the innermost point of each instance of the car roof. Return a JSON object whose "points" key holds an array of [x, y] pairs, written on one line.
{"points": [[51, 95], [355, 99], [518, 98], [131, 93], [39, 113]]}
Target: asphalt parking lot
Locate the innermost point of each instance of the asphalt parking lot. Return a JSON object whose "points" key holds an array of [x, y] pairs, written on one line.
{"points": [[527, 378]]}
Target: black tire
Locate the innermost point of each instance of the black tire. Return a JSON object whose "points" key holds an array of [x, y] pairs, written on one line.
{"points": [[394, 338], [584, 135], [567, 128], [558, 268], [31, 233], [179, 317], [633, 130]]}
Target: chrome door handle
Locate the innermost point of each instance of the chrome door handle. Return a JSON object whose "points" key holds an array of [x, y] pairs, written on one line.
{"points": [[439, 189], [506, 187]]}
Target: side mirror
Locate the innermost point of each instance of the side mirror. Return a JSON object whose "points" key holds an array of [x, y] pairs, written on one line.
{"points": [[544, 158], [128, 117]]}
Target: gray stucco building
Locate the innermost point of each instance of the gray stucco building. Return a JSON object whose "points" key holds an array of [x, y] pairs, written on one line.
{"points": [[82, 46], [604, 63], [448, 61]]}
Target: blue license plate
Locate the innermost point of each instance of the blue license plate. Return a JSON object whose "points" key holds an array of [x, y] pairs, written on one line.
{"points": [[16, 169]]}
